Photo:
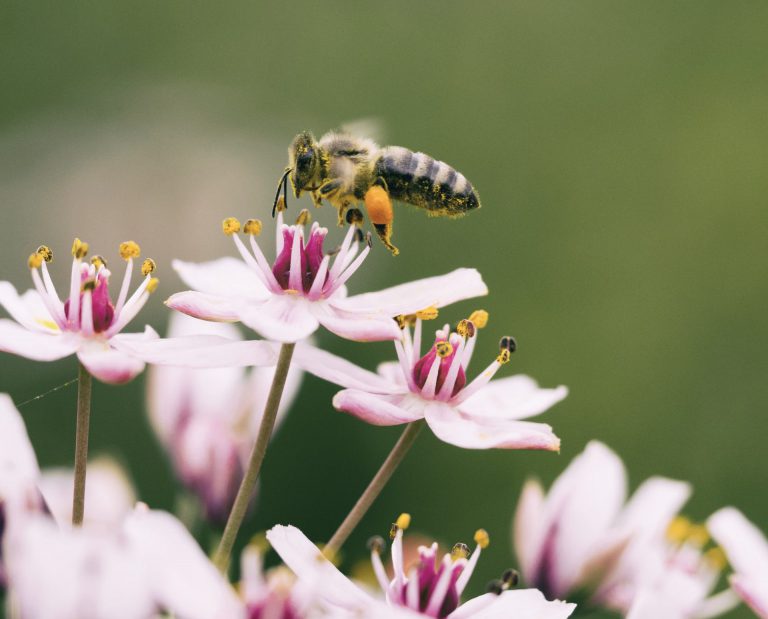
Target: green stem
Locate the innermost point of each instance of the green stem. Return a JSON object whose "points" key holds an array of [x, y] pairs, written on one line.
{"points": [[248, 485], [84, 384], [383, 475]]}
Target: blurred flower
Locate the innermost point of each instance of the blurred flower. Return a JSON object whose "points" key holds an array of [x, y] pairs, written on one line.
{"points": [[477, 415], [287, 300], [208, 418], [431, 588], [86, 323], [747, 550], [582, 537]]}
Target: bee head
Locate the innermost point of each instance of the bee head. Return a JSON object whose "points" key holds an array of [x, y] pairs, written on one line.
{"points": [[304, 156]]}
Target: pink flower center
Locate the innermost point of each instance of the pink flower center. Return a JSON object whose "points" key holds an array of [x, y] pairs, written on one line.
{"points": [[424, 365], [103, 310], [428, 574], [310, 255]]}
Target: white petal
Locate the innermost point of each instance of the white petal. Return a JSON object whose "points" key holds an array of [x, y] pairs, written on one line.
{"points": [[19, 471], [409, 298], [745, 545], [527, 530], [653, 505], [35, 345], [283, 318], [358, 327], [754, 592], [450, 426], [520, 604], [108, 364], [650, 605], [205, 306], [379, 410], [28, 310], [226, 277], [340, 371], [513, 397]]}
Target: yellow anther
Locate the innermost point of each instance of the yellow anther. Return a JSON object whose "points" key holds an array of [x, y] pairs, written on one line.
{"points": [[46, 253], [443, 349], [89, 284], [698, 535], [280, 205], [230, 226], [716, 558], [259, 542], [129, 249], [35, 261], [393, 531], [252, 226], [98, 262], [401, 321], [459, 551], [303, 218], [152, 285], [482, 538], [428, 313], [479, 318], [403, 521], [79, 249], [148, 266], [678, 529], [466, 328], [504, 357]]}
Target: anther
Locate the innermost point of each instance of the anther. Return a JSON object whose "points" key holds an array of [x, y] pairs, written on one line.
{"points": [[698, 535], [45, 252], [459, 551], [148, 266], [230, 226], [89, 284], [359, 236], [152, 285], [280, 205], [716, 558], [507, 345], [403, 521], [482, 538], [678, 529], [368, 239], [400, 319], [393, 529], [510, 577], [354, 216], [479, 318], [252, 226], [79, 249], [303, 217], [496, 587], [428, 313], [465, 328], [98, 262], [35, 261], [129, 249], [443, 349], [376, 544]]}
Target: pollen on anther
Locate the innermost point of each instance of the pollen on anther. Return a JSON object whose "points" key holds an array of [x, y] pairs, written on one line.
{"points": [[303, 218], [79, 249], [443, 349], [504, 357], [376, 544], [466, 328], [716, 558], [479, 318], [459, 551], [510, 577], [393, 531], [230, 226], [45, 252], [496, 587], [129, 249], [428, 313], [148, 266], [280, 205], [252, 226], [403, 521], [678, 529], [482, 538], [152, 285], [98, 262], [35, 261], [89, 284]]}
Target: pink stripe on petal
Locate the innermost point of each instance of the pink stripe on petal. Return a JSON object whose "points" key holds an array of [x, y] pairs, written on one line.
{"points": [[375, 409], [108, 364]]}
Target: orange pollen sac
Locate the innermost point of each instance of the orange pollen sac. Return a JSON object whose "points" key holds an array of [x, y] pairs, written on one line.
{"points": [[379, 205]]}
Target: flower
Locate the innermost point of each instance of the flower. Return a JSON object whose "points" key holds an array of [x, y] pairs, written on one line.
{"points": [[747, 550], [582, 536], [476, 415], [87, 323], [208, 418], [287, 300], [431, 588]]}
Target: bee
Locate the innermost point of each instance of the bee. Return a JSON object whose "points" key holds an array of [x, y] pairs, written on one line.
{"points": [[346, 170]]}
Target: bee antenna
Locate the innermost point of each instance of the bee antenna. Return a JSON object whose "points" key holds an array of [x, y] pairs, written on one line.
{"points": [[282, 184]]}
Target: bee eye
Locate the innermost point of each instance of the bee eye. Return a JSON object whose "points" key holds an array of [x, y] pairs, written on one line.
{"points": [[304, 160]]}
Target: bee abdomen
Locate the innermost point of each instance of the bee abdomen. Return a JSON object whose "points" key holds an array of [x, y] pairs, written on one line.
{"points": [[418, 179]]}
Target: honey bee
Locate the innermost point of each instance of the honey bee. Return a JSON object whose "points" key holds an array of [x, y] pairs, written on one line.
{"points": [[347, 170]]}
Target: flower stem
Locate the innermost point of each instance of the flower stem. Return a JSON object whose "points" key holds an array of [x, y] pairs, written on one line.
{"points": [[84, 384], [383, 475], [248, 485]]}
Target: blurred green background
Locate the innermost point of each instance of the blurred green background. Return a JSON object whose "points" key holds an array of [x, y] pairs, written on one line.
{"points": [[620, 153]]}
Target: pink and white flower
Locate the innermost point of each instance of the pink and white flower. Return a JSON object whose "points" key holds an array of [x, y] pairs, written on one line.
{"points": [[432, 588], [288, 299], [479, 414], [87, 323], [747, 550], [208, 419]]}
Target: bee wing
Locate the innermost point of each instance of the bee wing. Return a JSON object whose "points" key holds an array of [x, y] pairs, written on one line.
{"points": [[371, 127]]}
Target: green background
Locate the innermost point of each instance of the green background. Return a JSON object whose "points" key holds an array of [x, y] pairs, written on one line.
{"points": [[620, 153]]}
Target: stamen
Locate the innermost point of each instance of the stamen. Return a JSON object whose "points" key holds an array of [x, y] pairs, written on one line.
{"points": [[98, 262], [152, 284], [316, 289], [73, 313], [280, 205], [355, 216], [507, 345], [86, 318], [338, 264], [294, 274], [428, 313], [393, 529], [438, 594], [350, 270], [698, 535], [129, 249], [716, 558], [252, 226], [230, 226], [510, 577], [479, 318], [303, 217], [405, 365], [496, 586], [428, 390], [466, 328], [376, 544], [403, 521], [79, 249], [443, 349], [45, 252], [35, 261], [148, 266], [678, 529], [459, 551], [400, 319], [412, 590], [263, 270], [482, 538], [449, 383]]}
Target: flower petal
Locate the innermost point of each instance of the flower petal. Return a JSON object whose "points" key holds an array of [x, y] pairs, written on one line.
{"points": [[379, 410], [341, 372], [205, 306], [35, 345], [450, 426], [357, 326], [753, 592], [513, 397], [309, 564], [283, 318], [652, 506], [225, 277], [28, 310], [520, 604], [527, 527], [18, 464], [745, 545], [108, 364], [409, 298]]}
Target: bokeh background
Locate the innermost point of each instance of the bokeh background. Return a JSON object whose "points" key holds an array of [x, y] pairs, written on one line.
{"points": [[620, 153]]}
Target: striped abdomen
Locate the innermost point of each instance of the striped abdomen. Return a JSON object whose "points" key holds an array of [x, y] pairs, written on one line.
{"points": [[416, 178]]}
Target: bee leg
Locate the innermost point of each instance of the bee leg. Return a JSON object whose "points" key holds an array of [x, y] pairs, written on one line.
{"points": [[342, 214], [328, 188], [379, 207], [385, 234], [317, 201]]}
